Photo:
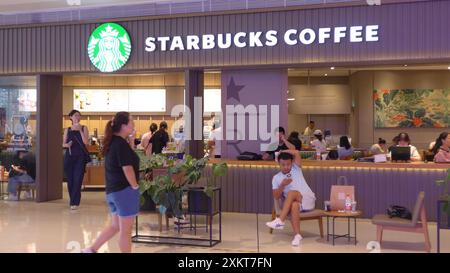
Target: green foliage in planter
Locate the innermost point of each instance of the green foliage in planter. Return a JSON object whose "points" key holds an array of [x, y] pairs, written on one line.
{"points": [[154, 162], [218, 170], [445, 196], [167, 192], [191, 168], [163, 192]]}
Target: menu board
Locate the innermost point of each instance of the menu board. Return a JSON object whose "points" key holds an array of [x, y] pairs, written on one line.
{"points": [[212, 100], [115, 100], [147, 100], [100, 100]]}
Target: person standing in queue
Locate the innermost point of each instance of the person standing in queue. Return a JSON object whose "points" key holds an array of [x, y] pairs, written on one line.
{"points": [[160, 138], [122, 176], [76, 138], [146, 139]]}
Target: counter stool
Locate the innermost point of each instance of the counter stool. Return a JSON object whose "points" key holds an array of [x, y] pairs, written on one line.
{"points": [[26, 187]]}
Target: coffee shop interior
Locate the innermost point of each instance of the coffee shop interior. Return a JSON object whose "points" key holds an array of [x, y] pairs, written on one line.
{"points": [[342, 101], [338, 100]]}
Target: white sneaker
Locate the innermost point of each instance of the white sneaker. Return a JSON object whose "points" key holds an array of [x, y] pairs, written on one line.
{"points": [[87, 250], [275, 224], [297, 239], [13, 197], [73, 207], [181, 221]]}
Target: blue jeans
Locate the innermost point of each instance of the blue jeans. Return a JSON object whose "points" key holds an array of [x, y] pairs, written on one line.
{"points": [[15, 181]]}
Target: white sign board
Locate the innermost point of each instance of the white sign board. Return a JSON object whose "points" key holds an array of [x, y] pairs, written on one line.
{"points": [[115, 100]]}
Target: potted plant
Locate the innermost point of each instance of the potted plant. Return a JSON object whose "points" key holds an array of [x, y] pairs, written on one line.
{"points": [[152, 167], [166, 189], [445, 196], [164, 192], [199, 201], [162, 184]]}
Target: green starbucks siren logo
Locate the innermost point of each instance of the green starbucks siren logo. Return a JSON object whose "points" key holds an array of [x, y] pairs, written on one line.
{"points": [[109, 47]]}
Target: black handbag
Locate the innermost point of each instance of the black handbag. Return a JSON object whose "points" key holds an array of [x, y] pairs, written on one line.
{"points": [[87, 157], [399, 211], [249, 156]]}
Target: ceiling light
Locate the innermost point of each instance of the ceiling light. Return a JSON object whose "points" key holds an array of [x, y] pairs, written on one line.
{"points": [[326, 75], [332, 68], [291, 99]]}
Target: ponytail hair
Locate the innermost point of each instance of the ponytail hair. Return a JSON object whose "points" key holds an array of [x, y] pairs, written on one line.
{"points": [[113, 127], [439, 142]]}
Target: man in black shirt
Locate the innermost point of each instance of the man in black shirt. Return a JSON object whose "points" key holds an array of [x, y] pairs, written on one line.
{"points": [[281, 145], [160, 138], [22, 174]]}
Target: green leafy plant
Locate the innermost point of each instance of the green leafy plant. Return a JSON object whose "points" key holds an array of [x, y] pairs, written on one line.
{"points": [[218, 170], [445, 196], [164, 192], [190, 168], [167, 190]]}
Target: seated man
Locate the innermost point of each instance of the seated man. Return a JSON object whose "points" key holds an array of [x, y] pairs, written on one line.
{"points": [[290, 184], [24, 173]]}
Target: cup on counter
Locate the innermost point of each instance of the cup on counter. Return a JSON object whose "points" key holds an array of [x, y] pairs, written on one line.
{"points": [[327, 205], [276, 156], [324, 156], [354, 206]]}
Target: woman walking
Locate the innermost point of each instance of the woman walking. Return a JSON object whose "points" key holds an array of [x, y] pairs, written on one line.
{"points": [[75, 140], [122, 188]]}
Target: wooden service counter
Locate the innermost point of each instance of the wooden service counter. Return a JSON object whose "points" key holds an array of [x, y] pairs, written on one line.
{"points": [[94, 177], [248, 185]]}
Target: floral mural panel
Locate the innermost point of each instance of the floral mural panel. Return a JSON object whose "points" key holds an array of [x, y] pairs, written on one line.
{"points": [[412, 108]]}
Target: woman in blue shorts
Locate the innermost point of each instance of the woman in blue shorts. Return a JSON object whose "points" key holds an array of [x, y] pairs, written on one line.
{"points": [[122, 176]]}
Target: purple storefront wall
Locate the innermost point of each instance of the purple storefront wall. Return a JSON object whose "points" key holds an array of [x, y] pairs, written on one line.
{"points": [[260, 88]]}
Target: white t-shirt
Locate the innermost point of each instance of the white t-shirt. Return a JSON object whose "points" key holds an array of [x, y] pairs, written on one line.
{"points": [[298, 184], [216, 136], [319, 145], [145, 142]]}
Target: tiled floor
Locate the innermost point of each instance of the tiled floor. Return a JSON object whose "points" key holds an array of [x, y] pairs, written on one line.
{"points": [[51, 227]]}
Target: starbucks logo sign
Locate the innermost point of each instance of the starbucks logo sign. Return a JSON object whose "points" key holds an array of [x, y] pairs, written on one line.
{"points": [[109, 47]]}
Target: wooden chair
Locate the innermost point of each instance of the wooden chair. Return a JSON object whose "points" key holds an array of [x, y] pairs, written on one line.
{"points": [[26, 187], [383, 222], [315, 214]]}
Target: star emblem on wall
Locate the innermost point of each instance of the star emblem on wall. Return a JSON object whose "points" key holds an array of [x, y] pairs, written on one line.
{"points": [[233, 90]]}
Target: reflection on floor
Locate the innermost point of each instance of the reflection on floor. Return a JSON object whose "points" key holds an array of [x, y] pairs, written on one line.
{"points": [[26, 226]]}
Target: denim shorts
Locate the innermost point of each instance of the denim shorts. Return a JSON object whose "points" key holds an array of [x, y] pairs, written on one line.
{"points": [[124, 203]]}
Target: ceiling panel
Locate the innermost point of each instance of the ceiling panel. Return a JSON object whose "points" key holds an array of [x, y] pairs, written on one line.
{"points": [[31, 6]]}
